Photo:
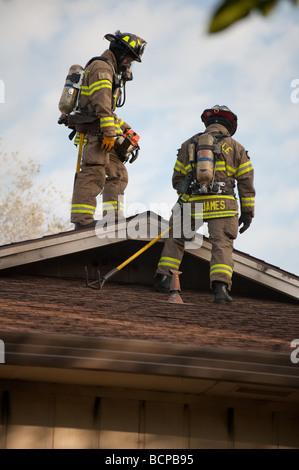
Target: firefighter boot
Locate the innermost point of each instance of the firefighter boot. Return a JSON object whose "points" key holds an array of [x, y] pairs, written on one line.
{"points": [[220, 292], [81, 227], [162, 283]]}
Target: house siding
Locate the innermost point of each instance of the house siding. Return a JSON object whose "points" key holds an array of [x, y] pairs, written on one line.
{"points": [[38, 416]]}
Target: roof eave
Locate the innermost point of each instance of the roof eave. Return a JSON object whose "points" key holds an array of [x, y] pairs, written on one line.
{"points": [[29, 351]]}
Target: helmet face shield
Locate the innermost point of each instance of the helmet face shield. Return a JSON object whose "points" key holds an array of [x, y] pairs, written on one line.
{"points": [[141, 46]]}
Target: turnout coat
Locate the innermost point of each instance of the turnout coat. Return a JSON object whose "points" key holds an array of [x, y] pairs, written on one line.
{"points": [[233, 167]]}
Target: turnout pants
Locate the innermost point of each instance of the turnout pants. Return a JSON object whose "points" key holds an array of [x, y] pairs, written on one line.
{"points": [[100, 172], [222, 232]]}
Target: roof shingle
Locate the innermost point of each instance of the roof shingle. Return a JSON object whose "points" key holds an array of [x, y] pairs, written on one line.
{"points": [[131, 311]]}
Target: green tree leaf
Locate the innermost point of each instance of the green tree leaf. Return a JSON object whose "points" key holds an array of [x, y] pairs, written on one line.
{"points": [[231, 11]]}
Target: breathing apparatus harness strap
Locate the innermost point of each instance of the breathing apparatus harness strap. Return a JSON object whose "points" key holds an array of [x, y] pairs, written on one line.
{"points": [[117, 82], [86, 123]]}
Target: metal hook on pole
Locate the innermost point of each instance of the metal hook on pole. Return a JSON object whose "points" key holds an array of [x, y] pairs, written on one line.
{"points": [[101, 281]]}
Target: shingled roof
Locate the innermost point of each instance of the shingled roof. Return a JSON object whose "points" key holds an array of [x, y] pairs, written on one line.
{"points": [[132, 311], [67, 254], [44, 295]]}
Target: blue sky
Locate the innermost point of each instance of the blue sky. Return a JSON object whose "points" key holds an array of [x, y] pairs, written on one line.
{"points": [[250, 67]]}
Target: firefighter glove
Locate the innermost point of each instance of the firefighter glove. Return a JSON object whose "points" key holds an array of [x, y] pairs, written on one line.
{"points": [[107, 143], [245, 219]]}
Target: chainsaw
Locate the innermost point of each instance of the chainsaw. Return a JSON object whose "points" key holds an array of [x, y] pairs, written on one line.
{"points": [[126, 146]]}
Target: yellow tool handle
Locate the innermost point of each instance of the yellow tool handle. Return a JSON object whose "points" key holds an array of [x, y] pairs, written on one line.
{"points": [[142, 250], [118, 268], [80, 152]]}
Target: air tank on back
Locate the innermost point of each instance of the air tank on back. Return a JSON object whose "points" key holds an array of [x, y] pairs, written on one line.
{"points": [[71, 89], [205, 159]]}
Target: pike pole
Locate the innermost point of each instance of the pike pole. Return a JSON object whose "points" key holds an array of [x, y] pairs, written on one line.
{"points": [[101, 281]]}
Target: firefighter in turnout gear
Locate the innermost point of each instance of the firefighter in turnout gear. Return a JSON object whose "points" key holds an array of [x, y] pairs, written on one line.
{"points": [[219, 207], [102, 170]]}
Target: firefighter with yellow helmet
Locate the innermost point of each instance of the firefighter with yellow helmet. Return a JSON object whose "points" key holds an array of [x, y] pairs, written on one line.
{"points": [[102, 90], [216, 193]]}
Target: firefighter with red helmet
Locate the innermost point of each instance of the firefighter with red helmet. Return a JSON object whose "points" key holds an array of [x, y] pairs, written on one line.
{"points": [[219, 206], [102, 171]]}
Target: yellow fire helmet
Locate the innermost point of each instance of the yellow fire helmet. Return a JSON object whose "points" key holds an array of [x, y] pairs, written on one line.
{"points": [[132, 42]]}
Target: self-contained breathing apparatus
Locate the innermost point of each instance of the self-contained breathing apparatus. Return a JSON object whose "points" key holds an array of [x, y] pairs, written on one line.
{"points": [[69, 100], [69, 105], [70, 93], [204, 149]]}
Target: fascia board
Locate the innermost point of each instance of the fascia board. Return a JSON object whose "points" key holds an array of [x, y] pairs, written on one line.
{"points": [[51, 247], [266, 275], [144, 357]]}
